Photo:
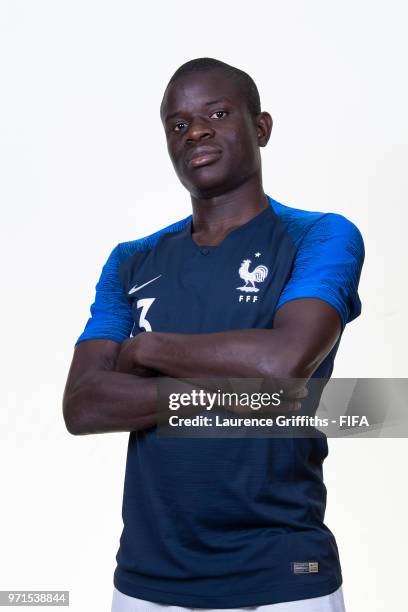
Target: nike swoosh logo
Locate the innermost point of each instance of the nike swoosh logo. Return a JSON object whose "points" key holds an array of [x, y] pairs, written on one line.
{"points": [[136, 287]]}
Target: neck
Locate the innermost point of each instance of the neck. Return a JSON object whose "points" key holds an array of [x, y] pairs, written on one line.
{"points": [[214, 217]]}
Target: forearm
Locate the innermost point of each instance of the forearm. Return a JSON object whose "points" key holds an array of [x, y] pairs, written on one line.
{"points": [[304, 331], [108, 401], [248, 353]]}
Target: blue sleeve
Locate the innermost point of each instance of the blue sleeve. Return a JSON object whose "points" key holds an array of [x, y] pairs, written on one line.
{"points": [[111, 315], [328, 265]]}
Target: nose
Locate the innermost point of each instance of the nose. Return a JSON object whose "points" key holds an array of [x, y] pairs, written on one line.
{"points": [[199, 130]]}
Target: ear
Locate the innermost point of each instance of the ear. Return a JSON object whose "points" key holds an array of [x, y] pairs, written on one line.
{"points": [[264, 125]]}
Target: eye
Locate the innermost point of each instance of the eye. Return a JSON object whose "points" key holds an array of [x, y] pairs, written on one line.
{"points": [[219, 114], [179, 126]]}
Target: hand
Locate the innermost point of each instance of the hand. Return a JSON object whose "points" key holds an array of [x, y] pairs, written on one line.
{"points": [[291, 392], [130, 357]]}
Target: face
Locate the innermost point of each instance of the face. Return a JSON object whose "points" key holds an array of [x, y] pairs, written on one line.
{"points": [[212, 139]]}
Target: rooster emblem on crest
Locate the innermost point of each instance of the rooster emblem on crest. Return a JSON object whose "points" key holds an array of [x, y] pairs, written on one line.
{"points": [[257, 275]]}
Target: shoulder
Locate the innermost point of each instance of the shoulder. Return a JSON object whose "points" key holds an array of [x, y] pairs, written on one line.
{"points": [[328, 260], [111, 315], [124, 250], [307, 227], [124, 253]]}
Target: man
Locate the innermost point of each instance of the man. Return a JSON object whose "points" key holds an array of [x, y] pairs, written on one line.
{"points": [[245, 287]]}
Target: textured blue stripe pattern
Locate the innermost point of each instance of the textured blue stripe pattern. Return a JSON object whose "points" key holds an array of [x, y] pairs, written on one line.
{"points": [[328, 262], [329, 258]]}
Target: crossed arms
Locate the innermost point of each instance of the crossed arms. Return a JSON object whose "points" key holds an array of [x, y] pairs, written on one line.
{"points": [[112, 386]]}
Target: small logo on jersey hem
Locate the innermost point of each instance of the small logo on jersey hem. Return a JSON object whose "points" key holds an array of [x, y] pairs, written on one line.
{"points": [[305, 567], [137, 288]]}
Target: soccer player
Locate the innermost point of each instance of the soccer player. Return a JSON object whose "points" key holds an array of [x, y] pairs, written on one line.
{"points": [[244, 287]]}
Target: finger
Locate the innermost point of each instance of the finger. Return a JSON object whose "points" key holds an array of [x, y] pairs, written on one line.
{"points": [[125, 363], [295, 393]]}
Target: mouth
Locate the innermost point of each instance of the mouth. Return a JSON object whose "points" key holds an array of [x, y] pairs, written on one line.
{"points": [[203, 157]]}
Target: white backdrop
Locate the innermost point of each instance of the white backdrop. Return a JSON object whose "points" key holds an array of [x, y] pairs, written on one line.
{"points": [[81, 150]]}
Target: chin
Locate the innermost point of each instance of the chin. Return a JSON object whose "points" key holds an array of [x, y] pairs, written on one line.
{"points": [[207, 184]]}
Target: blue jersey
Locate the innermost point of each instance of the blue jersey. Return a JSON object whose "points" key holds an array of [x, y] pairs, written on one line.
{"points": [[227, 523]]}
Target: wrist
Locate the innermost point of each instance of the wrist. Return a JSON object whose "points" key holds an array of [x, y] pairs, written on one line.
{"points": [[148, 349]]}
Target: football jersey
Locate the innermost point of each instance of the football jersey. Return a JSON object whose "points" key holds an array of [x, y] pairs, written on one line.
{"points": [[227, 522]]}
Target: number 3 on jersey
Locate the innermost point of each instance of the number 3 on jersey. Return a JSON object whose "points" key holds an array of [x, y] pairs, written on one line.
{"points": [[144, 304]]}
